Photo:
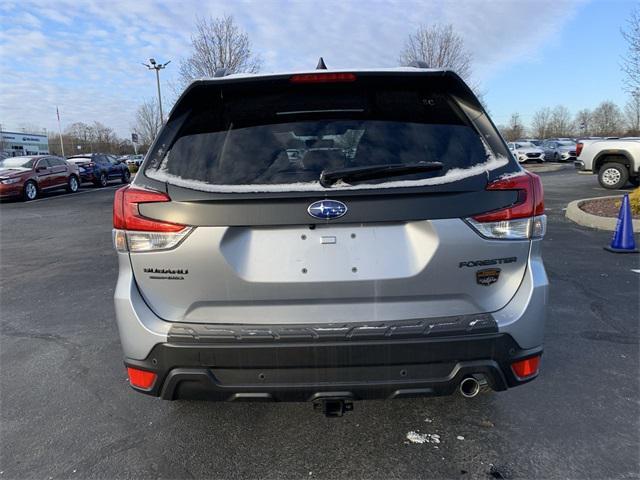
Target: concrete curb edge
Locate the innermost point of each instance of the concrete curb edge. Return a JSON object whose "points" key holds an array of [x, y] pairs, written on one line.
{"points": [[579, 216]]}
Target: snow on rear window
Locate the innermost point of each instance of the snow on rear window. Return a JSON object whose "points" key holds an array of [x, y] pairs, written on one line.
{"points": [[291, 156]]}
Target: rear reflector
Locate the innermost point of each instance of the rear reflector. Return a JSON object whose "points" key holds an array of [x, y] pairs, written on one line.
{"points": [[323, 78], [141, 378], [526, 368]]}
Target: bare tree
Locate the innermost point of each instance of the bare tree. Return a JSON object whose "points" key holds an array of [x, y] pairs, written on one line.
{"points": [[541, 123], [147, 122], [583, 122], [561, 124], [439, 46], [632, 115], [606, 120], [631, 62], [218, 43], [514, 130]]}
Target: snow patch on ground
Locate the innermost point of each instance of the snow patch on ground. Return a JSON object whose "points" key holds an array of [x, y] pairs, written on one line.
{"points": [[452, 175], [416, 437]]}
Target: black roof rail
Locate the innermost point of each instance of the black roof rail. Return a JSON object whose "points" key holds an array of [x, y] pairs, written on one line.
{"points": [[321, 65], [418, 64]]}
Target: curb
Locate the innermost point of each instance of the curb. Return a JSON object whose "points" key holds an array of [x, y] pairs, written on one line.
{"points": [[579, 216], [545, 168]]}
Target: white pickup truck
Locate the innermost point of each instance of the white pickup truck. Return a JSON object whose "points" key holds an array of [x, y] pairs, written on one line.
{"points": [[616, 161]]}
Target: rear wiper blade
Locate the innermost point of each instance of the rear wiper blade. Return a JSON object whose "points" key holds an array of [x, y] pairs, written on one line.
{"points": [[372, 172]]}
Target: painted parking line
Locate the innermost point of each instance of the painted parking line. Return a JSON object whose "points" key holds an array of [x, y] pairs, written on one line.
{"points": [[80, 192]]}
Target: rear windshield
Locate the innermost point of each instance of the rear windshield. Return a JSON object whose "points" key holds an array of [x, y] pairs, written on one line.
{"points": [[284, 142]]}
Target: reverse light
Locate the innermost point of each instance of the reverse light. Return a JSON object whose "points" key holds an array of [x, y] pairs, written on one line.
{"points": [[524, 219], [134, 232], [526, 368], [141, 378], [323, 78]]}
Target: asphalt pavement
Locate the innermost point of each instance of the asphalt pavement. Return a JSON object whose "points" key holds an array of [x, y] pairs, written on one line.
{"points": [[66, 410]]}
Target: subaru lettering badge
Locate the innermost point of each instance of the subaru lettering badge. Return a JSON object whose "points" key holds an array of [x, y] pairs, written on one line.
{"points": [[327, 209]]}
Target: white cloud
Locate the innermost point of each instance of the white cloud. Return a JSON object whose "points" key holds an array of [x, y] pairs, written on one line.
{"points": [[86, 57]]}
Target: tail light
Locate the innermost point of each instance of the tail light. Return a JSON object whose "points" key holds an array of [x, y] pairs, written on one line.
{"points": [[579, 147], [523, 220], [323, 78], [141, 378], [133, 232], [526, 368]]}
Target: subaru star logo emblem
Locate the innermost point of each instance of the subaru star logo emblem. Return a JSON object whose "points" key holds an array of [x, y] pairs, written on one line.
{"points": [[327, 209]]}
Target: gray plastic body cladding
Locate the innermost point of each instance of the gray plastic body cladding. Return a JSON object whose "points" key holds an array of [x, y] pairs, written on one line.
{"points": [[250, 275]]}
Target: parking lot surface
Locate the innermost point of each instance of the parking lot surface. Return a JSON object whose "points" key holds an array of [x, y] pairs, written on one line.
{"points": [[67, 411]]}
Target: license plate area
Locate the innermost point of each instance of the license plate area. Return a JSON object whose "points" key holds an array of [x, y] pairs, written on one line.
{"points": [[329, 252]]}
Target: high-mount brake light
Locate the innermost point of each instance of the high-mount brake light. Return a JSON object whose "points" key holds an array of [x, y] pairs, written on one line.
{"points": [[522, 220], [132, 232], [337, 77]]}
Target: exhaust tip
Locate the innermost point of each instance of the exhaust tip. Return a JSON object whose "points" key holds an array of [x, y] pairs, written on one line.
{"points": [[469, 387]]}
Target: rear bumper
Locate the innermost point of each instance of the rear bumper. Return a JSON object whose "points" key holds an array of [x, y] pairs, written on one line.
{"points": [[277, 370], [579, 165]]}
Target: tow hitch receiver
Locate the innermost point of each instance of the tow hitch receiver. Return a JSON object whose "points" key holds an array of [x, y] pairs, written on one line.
{"points": [[333, 407]]}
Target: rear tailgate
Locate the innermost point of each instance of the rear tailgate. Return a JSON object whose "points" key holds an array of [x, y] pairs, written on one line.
{"points": [[401, 249]]}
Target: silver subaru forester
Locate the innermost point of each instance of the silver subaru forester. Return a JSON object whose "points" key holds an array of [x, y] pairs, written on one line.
{"points": [[329, 236]]}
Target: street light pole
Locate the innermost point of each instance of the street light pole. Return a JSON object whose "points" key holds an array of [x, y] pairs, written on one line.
{"points": [[157, 67]]}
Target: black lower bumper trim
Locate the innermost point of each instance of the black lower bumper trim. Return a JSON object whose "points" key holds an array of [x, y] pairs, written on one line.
{"points": [[313, 371]]}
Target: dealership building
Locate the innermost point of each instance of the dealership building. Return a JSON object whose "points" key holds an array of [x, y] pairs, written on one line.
{"points": [[15, 144]]}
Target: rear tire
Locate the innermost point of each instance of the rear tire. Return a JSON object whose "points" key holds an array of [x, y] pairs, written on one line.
{"points": [[102, 181], [613, 176], [126, 176], [73, 184], [30, 191]]}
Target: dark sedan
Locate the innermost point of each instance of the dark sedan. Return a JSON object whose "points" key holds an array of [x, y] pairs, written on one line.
{"points": [[99, 168], [28, 177]]}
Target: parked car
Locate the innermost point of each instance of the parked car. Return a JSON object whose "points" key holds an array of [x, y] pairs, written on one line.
{"points": [[28, 177], [615, 161], [526, 152], [100, 168], [246, 276], [559, 150]]}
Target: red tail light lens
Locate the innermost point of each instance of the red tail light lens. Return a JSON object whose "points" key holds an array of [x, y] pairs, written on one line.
{"points": [[126, 215], [323, 78], [579, 147], [526, 368], [530, 198], [141, 378]]}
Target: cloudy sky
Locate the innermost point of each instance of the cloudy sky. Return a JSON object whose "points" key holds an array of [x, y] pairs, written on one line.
{"points": [[85, 56]]}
